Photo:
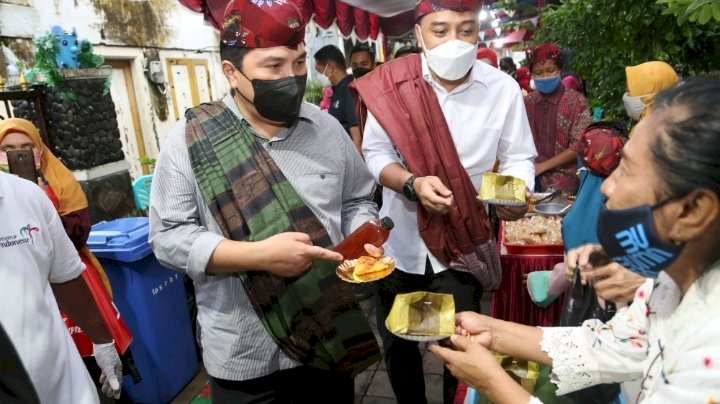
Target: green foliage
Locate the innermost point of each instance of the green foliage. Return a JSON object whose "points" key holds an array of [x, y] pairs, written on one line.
{"points": [[700, 11], [611, 34], [106, 85], [46, 48], [86, 57], [515, 9], [148, 161], [313, 92]]}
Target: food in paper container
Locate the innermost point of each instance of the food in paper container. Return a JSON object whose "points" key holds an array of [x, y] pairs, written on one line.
{"points": [[422, 316], [502, 190]]}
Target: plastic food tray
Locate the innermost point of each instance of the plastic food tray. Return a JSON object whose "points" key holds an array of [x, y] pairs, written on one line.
{"points": [[529, 249]]}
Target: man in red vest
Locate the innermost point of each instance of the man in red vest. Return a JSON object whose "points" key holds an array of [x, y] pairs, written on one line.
{"points": [[434, 123]]}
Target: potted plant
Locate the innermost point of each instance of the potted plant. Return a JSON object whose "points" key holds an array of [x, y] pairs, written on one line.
{"points": [[59, 56]]}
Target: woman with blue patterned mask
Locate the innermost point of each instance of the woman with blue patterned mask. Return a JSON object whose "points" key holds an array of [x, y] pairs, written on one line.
{"points": [[557, 117], [662, 220]]}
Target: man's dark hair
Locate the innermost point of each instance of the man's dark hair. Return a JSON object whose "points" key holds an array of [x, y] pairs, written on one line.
{"points": [[233, 54], [331, 53], [508, 63], [361, 47], [406, 50]]}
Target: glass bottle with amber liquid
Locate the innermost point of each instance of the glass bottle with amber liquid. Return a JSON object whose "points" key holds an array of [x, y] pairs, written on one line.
{"points": [[375, 232]]}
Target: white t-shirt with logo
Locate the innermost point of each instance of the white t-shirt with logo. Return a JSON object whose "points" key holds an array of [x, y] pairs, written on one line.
{"points": [[35, 251]]}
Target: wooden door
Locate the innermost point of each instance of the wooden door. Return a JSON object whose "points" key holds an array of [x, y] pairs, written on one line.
{"points": [[189, 81], [122, 92]]}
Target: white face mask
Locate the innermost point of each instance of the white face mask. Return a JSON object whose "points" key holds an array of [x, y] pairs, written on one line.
{"points": [[450, 60], [532, 85], [634, 106], [323, 79]]}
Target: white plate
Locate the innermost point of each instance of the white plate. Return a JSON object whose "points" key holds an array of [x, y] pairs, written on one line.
{"points": [[417, 337]]}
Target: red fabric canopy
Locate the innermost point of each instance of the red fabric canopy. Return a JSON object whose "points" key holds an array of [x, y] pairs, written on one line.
{"points": [[516, 37], [324, 13], [212, 9]]}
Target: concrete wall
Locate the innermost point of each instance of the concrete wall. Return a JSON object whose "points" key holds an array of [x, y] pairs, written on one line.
{"points": [[111, 22], [131, 32]]}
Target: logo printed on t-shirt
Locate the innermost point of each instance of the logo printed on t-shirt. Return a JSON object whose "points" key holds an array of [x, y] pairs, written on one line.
{"points": [[29, 230], [25, 237]]}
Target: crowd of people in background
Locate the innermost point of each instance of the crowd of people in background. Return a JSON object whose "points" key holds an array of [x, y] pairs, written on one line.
{"points": [[277, 325], [569, 153], [573, 157]]}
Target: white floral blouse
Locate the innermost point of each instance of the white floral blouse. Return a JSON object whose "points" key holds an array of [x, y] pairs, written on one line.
{"points": [[671, 342]]}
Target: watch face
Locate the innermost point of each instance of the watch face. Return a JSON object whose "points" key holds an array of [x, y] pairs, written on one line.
{"points": [[408, 189]]}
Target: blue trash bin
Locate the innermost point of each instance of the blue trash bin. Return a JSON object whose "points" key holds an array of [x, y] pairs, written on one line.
{"points": [[152, 301]]}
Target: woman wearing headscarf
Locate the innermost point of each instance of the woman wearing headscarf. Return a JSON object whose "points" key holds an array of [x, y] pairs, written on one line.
{"points": [[59, 183], [644, 81], [522, 75], [69, 199], [557, 116], [488, 56]]}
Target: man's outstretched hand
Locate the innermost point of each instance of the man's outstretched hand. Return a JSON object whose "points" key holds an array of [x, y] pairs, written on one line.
{"points": [[292, 254]]}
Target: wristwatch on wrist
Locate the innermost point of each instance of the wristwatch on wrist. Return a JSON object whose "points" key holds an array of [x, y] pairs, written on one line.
{"points": [[408, 189]]}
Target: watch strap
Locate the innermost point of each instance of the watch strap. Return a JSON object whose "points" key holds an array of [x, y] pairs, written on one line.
{"points": [[409, 190]]}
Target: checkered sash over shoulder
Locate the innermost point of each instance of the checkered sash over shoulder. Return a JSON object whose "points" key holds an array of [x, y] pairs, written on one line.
{"points": [[314, 318]]}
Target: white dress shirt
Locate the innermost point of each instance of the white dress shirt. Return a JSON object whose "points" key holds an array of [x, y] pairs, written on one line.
{"points": [[487, 120]]}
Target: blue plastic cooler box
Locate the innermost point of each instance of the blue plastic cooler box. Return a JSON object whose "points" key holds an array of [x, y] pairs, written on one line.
{"points": [[152, 300]]}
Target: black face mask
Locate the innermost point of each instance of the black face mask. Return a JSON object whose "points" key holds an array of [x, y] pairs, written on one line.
{"points": [[629, 237], [360, 71], [278, 100]]}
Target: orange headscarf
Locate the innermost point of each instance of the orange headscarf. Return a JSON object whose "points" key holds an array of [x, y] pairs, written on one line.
{"points": [[70, 196], [647, 79]]}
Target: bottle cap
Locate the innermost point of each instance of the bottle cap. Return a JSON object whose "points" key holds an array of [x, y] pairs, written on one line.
{"points": [[387, 223]]}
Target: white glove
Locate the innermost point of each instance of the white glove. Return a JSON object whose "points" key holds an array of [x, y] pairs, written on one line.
{"points": [[109, 363]]}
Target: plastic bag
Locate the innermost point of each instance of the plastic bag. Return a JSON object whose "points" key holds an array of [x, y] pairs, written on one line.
{"points": [[581, 303]]}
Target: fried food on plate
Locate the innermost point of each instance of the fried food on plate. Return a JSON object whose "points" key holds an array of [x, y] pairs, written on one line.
{"points": [[368, 268]]}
